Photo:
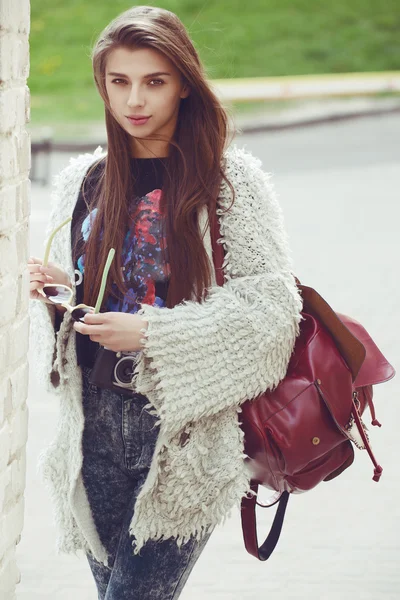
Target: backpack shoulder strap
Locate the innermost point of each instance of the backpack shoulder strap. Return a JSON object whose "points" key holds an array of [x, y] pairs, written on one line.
{"points": [[249, 525]]}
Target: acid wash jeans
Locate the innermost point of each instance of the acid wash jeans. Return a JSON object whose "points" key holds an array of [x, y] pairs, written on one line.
{"points": [[118, 444]]}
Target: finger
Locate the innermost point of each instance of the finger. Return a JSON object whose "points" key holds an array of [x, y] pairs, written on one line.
{"points": [[34, 259], [85, 329], [36, 295], [40, 278], [95, 338], [40, 294], [34, 268], [95, 318], [35, 285]]}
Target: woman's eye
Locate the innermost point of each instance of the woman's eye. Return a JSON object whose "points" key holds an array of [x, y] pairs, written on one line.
{"points": [[154, 82]]}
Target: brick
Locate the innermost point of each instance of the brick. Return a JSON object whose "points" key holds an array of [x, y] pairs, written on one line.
{"points": [[8, 295], [22, 305], [23, 60], [19, 430], [8, 207], [14, 57], [11, 526], [15, 154], [24, 292], [5, 392], [22, 235], [24, 16], [8, 158], [18, 474], [15, 16], [9, 496], [5, 482], [19, 381], [22, 141], [20, 337], [5, 445], [8, 252], [8, 110], [27, 105], [12, 483], [8, 15], [7, 406], [23, 201], [12, 108], [18, 342], [9, 575], [15, 164], [4, 344], [7, 55]]}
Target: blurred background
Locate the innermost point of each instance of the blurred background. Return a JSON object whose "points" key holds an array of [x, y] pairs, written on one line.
{"points": [[314, 90], [235, 39]]}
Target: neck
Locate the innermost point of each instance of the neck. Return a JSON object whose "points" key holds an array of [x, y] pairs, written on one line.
{"points": [[157, 149]]}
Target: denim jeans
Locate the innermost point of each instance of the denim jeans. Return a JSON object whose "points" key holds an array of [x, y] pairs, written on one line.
{"points": [[118, 444]]}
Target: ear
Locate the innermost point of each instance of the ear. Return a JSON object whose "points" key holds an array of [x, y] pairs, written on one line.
{"points": [[185, 91]]}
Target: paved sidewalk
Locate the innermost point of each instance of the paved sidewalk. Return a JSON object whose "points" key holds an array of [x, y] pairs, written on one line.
{"points": [[314, 112]]}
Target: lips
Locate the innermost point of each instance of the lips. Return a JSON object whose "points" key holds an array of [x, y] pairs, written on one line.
{"points": [[137, 120]]}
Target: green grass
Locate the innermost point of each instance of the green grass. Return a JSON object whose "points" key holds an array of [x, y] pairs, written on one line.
{"points": [[234, 39]]}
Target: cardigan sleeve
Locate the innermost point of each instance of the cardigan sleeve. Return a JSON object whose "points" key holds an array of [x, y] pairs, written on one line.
{"points": [[49, 333], [45, 321], [201, 358], [43, 342]]}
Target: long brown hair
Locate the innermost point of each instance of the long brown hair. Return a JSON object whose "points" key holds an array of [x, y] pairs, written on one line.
{"points": [[195, 153]]}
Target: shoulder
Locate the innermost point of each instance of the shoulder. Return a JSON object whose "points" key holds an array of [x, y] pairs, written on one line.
{"points": [[71, 177], [240, 161], [66, 187], [252, 184], [256, 207]]}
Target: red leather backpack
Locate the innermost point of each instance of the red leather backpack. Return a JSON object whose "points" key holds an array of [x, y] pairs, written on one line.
{"points": [[303, 432]]}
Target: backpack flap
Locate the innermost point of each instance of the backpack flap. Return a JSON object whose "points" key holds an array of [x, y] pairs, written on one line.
{"points": [[362, 355], [351, 349], [375, 368]]}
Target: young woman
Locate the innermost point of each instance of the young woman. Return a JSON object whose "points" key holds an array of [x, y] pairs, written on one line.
{"points": [[140, 475]]}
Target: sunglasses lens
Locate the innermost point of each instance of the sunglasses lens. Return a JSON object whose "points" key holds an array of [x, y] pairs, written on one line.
{"points": [[78, 313], [57, 293]]}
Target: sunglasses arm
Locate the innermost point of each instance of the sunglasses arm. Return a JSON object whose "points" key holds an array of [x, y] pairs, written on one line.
{"points": [[50, 240], [67, 306], [107, 266]]}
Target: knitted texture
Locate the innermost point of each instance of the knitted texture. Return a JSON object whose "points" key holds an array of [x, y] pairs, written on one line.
{"points": [[199, 363], [48, 345]]}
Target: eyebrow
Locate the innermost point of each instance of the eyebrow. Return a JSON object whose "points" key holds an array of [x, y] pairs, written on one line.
{"points": [[144, 76]]}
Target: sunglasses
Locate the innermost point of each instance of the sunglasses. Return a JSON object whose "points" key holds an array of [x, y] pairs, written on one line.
{"points": [[63, 294]]}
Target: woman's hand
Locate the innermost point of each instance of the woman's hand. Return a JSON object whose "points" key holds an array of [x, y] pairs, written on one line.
{"points": [[117, 331], [39, 275]]}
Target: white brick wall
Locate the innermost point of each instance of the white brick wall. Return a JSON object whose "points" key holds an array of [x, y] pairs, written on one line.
{"points": [[14, 282]]}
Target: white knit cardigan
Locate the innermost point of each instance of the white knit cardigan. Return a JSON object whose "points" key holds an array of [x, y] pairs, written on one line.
{"points": [[199, 362]]}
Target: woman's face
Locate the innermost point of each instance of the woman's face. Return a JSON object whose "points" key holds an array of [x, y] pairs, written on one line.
{"points": [[144, 83]]}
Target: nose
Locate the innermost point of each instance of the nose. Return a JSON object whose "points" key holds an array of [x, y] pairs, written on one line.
{"points": [[135, 96]]}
